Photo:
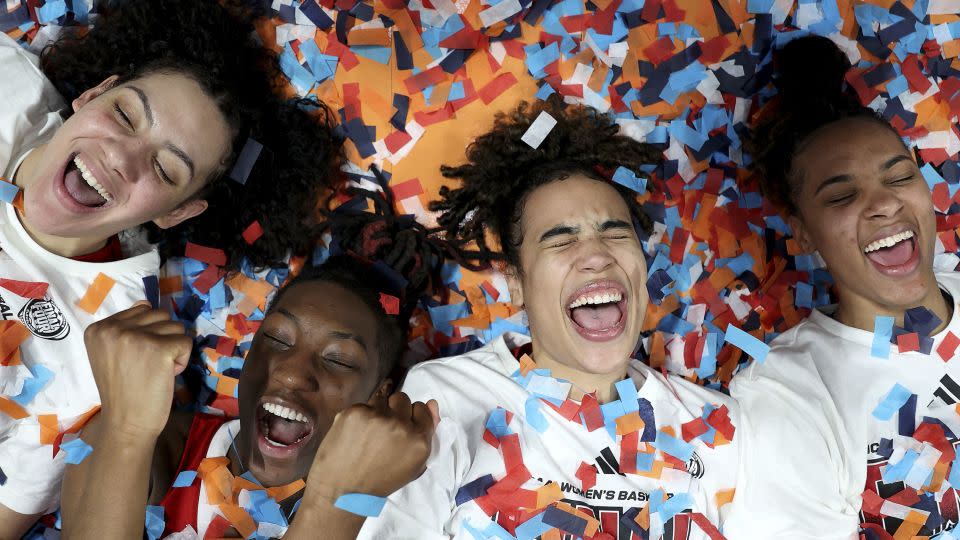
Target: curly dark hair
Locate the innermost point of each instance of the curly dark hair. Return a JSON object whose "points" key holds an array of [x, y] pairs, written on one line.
{"points": [[811, 95], [378, 252], [215, 44], [502, 170]]}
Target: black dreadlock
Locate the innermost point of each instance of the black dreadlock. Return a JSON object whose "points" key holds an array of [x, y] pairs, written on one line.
{"points": [[376, 253], [812, 95], [502, 170]]}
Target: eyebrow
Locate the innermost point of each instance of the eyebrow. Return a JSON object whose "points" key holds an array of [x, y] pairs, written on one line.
{"points": [[614, 224], [336, 334], [847, 178], [148, 111], [559, 230]]}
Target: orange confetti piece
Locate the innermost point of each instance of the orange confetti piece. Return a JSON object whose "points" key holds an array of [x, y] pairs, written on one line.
{"points": [[12, 409], [49, 428], [96, 293]]}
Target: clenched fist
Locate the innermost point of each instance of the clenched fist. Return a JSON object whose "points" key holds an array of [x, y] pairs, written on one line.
{"points": [[135, 355]]}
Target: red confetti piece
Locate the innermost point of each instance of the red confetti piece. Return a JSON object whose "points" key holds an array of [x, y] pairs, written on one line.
{"points": [[252, 233], [25, 289], [587, 474], [206, 254], [908, 342], [391, 304], [948, 346]]}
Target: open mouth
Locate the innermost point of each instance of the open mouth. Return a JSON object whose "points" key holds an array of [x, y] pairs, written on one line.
{"points": [[82, 186], [597, 310], [281, 430], [895, 254]]}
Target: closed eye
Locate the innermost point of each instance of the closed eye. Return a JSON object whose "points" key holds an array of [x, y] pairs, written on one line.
{"points": [[903, 180], [162, 173], [123, 116], [339, 360], [562, 243], [277, 342], [840, 200]]}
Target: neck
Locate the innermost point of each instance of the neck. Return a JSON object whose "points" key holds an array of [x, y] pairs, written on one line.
{"points": [[861, 313], [583, 382], [63, 246]]}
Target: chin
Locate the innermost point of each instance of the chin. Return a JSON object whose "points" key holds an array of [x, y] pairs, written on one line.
{"points": [[601, 360]]}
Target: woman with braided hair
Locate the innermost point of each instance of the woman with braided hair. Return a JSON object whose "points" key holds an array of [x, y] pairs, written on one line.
{"points": [[315, 401]]}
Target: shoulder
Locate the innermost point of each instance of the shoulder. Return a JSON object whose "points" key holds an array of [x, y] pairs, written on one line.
{"points": [[20, 69]]}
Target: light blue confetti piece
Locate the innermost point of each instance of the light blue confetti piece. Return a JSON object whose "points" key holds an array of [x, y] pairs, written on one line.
{"points": [[494, 530], [954, 476], [680, 131], [534, 416], [361, 504], [8, 192], [673, 446], [185, 479], [882, 331], [645, 462], [475, 532], [931, 175], [897, 472], [746, 343], [532, 528], [897, 86], [674, 505], [891, 403], [759, 6], [456, 91], [77, 450], [51, 11], [299, 76], [442, 316], [373, 52], [656, 500], [33, 385], [155, 522], [627, 179], [627, 391], [544, 92], [612, 410]]}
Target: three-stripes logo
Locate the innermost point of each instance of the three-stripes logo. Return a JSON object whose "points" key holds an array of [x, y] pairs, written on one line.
{"points": [[607, 464], [948, 391]]}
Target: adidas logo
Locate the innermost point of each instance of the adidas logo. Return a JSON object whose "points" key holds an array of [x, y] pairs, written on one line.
{"points": [[606, 463]]}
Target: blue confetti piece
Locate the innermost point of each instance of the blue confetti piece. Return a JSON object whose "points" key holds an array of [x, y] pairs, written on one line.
{"points": [[882, 332], [8, 191], [532, 528], [33, 385], [155, 522], [931, 175], [627, 179], [627, 391], [361, 504], [77, 450], [673, 446], [151, 290], [891, 403], [674, 505], [3, 477], [645, 462], [51, 11], [185, 479], [804, 295], [474, 489], [534, 417], [746, 343], [896, 472]]}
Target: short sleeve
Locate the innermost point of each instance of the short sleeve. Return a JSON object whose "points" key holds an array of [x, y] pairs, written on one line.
{"points": [[33, 474]]}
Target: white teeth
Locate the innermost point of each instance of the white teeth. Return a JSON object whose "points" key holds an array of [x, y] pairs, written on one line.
{"points": [[284, 412], [92, 180], [889, 241], [604, 298]]}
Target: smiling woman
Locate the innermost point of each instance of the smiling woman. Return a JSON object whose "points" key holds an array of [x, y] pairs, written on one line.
{"points": [[317, 418], [161, 99]]}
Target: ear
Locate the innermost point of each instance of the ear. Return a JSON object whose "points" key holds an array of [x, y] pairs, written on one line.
{"points": [[94, 92], [515, 286], [800, 234], [178, 215]]}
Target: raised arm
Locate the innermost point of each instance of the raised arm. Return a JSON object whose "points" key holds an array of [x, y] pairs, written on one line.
{"points": [[135, 355], [373, 449]]}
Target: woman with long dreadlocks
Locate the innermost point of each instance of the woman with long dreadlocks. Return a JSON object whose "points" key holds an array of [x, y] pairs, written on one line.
{"points": [[315, 402]]}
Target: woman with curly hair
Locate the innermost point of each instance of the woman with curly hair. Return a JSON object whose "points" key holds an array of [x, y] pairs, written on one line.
{"points": [[560, 431], [316, 410], [166, 105]]}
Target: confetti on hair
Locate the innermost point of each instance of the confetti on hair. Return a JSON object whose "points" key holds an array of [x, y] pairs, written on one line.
{"points": [[245, 162], [390, 304], [539, 129]]}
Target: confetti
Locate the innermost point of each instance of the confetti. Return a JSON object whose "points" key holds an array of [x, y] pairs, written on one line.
{"points": [[539, 129], [390, 304], [96, 293], [77, 451], [361, 504], [882, 331], [895, 398]]}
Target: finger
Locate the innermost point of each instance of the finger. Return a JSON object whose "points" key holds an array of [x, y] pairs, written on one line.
{"points": [[434, 411], [423, 419], [400, 406], [149, 317], [166, 328], [132, 311]]}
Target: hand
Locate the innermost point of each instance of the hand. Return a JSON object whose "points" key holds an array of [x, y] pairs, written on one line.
{"points": [[135, 355], [374, 449]]}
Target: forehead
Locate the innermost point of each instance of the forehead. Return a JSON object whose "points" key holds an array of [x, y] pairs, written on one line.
{"points": [[183, 113], [848, 147], [574, 200], [321, 305]]}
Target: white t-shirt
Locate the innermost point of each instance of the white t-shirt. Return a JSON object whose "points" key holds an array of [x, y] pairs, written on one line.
{"points": [[831, 364], [469, 387], [55, 345]]}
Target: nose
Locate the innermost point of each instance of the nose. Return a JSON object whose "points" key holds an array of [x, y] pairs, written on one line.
{"points": [[126, 157], [294, 372], [594, 256], [882, 202]]}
